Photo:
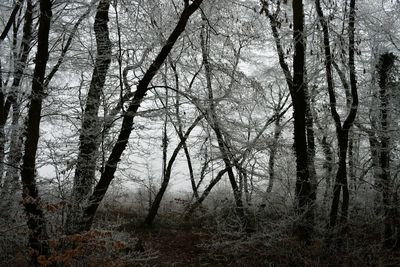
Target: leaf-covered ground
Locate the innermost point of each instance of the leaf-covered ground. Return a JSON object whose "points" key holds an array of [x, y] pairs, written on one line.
{"points": [[211, 240]]}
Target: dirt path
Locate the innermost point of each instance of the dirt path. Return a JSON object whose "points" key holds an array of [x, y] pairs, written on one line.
{"points": [[177, 247]]}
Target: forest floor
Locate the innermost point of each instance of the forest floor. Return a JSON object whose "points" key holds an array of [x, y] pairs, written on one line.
{"points": [[188, 247], [211, 240], [199, 247], [171, 241], [216, 241]]}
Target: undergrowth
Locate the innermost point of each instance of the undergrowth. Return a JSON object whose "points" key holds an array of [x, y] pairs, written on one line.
{"points": [[213, 236]]}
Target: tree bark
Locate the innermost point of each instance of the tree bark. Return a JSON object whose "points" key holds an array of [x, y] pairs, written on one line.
{"points": [[272, 154], [304, 192], [181, 134], [213, 120], [2, 133], [384, 68], [31, 201], [11, 20], [90, 132], [311, 144], [342, 131], [374, 148], [298, 90], [328, 164], [11, 179], [203, 196], [167, 175], [127, 122]]}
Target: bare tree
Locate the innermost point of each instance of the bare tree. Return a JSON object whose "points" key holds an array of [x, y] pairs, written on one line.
{"points": [[11, 179], [297, 84], [342, 131], [31, 201], [167, 174], [110, 167], [213, 120], [385, 68], [90, 131]]}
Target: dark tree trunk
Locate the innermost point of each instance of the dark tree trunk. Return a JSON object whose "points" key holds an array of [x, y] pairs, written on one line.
{"points": [[384, 68], [2, 133], [298, 90], [164, 140], [191, 173], [15, 153], [206, 192], [340, 182], [167, 175], [304, 193], [11, 20], [127, 122], [31, 201], [342, 131], [180, 132], [328, 166], [90, 132], [351, 160]]}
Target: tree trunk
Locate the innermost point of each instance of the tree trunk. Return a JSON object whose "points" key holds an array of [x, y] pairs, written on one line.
{"points": [[384, 68], [180, 131], [213, 120], [328, 166], [374, 148], [90, 132], [272, 154], [31, 201], [342, 131], [11, 179], [206, 192], [127, 122], [304, 193], [351, 160], [2, 133], [311, 146], [11, 19], [327, 151], [164, 139], [298, 90], [340, 182], [246, 191], [167, 175]]}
